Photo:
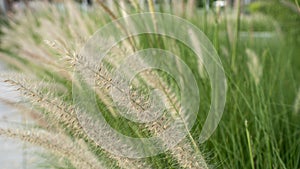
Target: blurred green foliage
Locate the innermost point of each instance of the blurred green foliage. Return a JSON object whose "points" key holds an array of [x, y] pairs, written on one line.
{"points": [[286, 15]]}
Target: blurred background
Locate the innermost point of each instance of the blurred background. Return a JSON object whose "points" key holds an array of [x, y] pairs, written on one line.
{"points": [[262, 36]]}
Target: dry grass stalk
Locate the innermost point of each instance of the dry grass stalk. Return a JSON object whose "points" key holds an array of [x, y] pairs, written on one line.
{"points": [[59, 144]]}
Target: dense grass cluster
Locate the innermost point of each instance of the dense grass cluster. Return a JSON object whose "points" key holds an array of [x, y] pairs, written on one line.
{"points": [[260, 127]]}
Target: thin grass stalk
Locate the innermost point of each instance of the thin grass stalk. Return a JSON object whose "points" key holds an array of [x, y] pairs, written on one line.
{"points": [[190, 8], [236, 37], [205, 17], [187, 151], [227, 29], [216, 32], [136, 5], [249, 145], [151, 6], [297, 4], [114, 17]]}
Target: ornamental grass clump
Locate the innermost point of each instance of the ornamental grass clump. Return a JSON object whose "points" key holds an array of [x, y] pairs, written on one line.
{"points": [[42, 46]]}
